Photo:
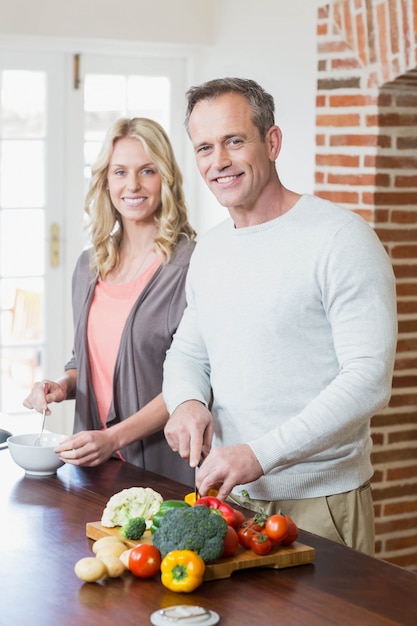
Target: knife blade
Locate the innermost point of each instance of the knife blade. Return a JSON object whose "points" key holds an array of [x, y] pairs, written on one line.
{"points": [[196, 494]]}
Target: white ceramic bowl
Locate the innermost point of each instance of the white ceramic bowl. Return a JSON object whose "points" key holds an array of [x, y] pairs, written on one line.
{"points": [[36, 460]]}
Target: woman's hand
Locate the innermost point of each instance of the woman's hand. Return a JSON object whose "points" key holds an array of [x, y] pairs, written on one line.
{"points": [[43, 393], [88, 447]]}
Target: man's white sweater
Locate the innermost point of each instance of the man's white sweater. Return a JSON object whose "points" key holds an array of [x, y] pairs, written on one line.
{"points": [[293, 325]]}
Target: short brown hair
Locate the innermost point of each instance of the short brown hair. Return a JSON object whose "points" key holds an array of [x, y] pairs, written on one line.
{"points": [[261, 102]]}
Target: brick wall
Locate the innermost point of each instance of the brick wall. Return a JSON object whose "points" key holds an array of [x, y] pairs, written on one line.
{"points": [[366, 160]]}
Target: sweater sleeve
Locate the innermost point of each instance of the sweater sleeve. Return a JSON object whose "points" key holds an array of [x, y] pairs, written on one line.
{"points": [[186, 367], [359, 300]]}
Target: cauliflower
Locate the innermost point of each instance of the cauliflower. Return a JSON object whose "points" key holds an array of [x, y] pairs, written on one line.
{"points": [[128, 503]]}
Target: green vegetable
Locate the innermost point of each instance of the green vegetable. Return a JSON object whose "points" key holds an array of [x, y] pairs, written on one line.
{"points": [[195, 528], [134, 528], [131, 502], [166, 505]]}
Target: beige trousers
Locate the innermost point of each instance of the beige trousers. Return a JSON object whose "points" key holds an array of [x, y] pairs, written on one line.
{"points": [[346, 518]]}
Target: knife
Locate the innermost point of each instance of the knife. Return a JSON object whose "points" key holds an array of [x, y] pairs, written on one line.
{"points": [[196, 494]]}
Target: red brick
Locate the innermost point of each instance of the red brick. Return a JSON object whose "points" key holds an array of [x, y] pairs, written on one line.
{"points": [[321, 29], [402, 473], [396, 119], [381, 215], [392, 162], [382, 141], [406, 143], [330, 47], [405, 381], [406, 99], [394, 491], [364, 45], [404, 399], [367, 214], [340, 197], [404, 217], [401, 543], [351, 179], [338, 120], [382, 180], [393, 235], [397, 508], [383, 41], [327, 84], [323, 12], [406, 181], [407, 345], [385, 98], [345, 64], [394, 28], [337, 160], [352, 100], [408, 561], [396, 198], [407, 290], [407, 307], [393, 419]]}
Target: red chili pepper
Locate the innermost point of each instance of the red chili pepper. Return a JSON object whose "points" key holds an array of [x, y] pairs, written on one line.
{"points": [[222, 507]]}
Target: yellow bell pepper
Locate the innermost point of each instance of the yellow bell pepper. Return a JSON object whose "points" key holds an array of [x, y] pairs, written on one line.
{"points": [[190, 498], [182, 570]]}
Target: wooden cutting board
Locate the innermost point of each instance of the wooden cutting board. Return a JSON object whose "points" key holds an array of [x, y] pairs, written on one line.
{"points": [[279, 557]]}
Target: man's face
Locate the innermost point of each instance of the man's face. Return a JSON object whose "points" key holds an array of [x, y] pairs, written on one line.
{"points": [[231, 157]]}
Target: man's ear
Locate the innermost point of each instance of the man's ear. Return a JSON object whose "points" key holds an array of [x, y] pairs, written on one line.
{"points": [[274, 140]]}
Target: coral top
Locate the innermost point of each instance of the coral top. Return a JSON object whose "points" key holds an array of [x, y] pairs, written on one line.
{"points": [[109, 311]]}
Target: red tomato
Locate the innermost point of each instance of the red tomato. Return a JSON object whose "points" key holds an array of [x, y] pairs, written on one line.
{"points": [[144, 560], [276, 527], [239, 519], [292, 532], [231, 542], [254, 525], [244, 535], [260, 543]]}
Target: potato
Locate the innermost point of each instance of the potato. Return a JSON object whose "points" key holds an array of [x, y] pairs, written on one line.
{"points": [[114, 565], [114, 548], [89, 569], [124, 557], [105, 541]]}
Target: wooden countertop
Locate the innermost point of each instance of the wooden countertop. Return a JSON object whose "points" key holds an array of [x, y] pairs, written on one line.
{"points": [[44, 534]]}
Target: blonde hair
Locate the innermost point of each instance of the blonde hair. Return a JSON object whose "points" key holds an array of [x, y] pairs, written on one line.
{"points": [[106, 226]]}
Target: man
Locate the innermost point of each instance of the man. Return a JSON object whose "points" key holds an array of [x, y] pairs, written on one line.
{"points": [[287, 344]]}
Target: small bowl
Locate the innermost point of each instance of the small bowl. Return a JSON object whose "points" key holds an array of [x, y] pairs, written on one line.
{"points": [[39, 460]]}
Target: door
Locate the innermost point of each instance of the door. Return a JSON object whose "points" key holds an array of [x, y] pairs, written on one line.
{"points": [[54, 111], [31, 210]]}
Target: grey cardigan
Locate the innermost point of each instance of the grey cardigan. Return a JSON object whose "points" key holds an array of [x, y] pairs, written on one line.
{"points": [[146, 337]]}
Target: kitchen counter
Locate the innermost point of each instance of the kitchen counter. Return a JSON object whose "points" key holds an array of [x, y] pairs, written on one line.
{"points": [[44, 534]]}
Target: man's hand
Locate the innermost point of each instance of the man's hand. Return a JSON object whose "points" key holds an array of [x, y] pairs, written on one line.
{"points": [[226, 467], [189, 431]]}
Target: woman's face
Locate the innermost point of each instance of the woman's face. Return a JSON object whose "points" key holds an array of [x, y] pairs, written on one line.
{"points": [[134, 181]]}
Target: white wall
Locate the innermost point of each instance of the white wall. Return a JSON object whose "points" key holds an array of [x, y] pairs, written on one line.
{"points": [[272, 41], [170, 21]]}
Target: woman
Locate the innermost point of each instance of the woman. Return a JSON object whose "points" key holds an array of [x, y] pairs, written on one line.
{"points": [[128, 298]]}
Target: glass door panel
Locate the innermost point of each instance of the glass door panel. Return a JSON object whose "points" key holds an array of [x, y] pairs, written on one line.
{"points": [[28, 86]]}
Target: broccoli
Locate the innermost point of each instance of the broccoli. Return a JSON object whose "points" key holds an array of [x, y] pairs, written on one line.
{"points": [[134, 528], [196, 528]]}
